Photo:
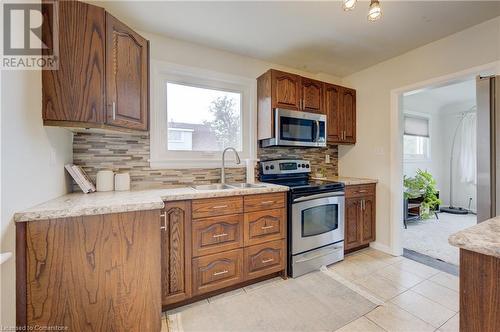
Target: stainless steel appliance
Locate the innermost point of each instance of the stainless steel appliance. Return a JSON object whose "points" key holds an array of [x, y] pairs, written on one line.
{"points": [[315, 215], [488, 147], [294, 128]]}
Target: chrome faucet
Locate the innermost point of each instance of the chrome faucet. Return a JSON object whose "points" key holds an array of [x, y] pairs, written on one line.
{"points": [[223, 169]]}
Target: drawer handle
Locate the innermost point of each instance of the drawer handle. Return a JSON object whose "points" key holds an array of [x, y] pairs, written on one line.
{"points": [[267, 202], [267, 227], [264, 261], [362, 191], [219, 206], [219, 235], [220, 273], [164, 217]]}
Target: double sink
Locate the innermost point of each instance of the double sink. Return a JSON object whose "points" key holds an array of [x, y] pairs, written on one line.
{"points": [[223, 186]]}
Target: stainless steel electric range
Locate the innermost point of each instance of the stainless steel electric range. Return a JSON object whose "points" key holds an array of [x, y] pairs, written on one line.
{"points": [[315, 215]]}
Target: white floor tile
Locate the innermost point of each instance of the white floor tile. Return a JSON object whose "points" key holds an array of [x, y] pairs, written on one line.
{"points": [[423, 308], [381, 287], [400, 276], [392, 318], [361, 324], [437, 293], [451, 325], [447, 280], [420, 270]]}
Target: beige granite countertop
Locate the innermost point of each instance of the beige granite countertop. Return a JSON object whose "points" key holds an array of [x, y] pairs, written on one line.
{"points": [[80, 204], [348, 181], [483, 238]]}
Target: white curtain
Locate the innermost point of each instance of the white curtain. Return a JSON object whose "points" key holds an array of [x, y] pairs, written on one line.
{"points": [[467, 152]]}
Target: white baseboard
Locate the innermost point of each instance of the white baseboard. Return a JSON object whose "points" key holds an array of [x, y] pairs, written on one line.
{"points": [[381, 247]]}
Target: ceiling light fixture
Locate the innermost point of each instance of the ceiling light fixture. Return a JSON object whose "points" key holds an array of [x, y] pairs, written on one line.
{"points": [[349, 4], [375, 12]]}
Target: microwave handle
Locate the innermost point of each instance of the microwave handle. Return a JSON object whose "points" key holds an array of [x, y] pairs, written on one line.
{"points": [[317, 130]]}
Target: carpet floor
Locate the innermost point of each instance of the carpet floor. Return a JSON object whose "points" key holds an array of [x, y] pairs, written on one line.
{"points": [[430, 237]]}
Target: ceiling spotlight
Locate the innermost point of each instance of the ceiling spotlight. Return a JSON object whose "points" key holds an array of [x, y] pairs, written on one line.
{"points": [[375, 12], [349, 4]]}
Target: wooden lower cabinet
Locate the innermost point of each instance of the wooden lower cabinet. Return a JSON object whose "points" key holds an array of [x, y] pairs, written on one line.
{"points": [[91, 273], [265, 258], [217, 271], [264, 226], [176, 252], [217, 234], [360, 225]]}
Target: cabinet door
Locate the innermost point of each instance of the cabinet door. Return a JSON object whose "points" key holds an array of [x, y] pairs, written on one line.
{"points": [[126, 76], [285, 90], [368, 227], [312, 95], [352, 223], [348, 113], [332, 111], [176, 252], [75, 91]]}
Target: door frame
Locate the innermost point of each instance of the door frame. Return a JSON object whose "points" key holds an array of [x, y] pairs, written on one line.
{"points": [[396, 139]]}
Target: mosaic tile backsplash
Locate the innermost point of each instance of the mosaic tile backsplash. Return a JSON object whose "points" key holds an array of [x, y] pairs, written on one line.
{"points": [[124, 152]]}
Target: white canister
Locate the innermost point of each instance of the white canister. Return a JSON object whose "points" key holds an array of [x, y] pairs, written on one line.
{"points": [[122, 181], [105, 180]]}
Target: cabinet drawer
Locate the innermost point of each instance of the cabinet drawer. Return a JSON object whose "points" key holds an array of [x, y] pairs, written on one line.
{"points": [[264, 226], [264, 202], [211, 207], [263, 259], [217, 234], [360, 190], [217, 271]]}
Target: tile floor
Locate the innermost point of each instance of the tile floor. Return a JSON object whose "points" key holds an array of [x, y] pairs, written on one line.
{"points": [[415, 297]]}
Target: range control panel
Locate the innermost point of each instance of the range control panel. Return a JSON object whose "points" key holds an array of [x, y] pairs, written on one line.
{"points": [[285, 166]]}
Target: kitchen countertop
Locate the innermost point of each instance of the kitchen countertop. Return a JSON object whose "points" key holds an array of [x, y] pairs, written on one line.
{"points": [[348, 181], [80, 204], [483, 238]]}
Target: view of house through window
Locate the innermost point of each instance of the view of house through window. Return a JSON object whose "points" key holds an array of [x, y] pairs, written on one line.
{"points": [[202, 119]]}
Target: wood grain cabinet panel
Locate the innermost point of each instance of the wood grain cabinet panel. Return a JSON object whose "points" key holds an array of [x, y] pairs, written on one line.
{"points": [[312, 95], [176, 252], [285, 90], [127, 76], [217, 234], [360, 190], [352, 223], [263, 259], [264, 226], [368, 227], [360, 216], [212, 207], [217, 271], [75, 91], [348, 111], [331, 98], [95, 273], [264, 202]]}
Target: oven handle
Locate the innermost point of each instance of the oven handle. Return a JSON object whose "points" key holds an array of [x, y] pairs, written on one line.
{"points": [[311, 197]]}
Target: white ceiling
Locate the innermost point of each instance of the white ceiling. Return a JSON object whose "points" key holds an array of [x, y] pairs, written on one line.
{"points": [[457, 97], [309, 35]]}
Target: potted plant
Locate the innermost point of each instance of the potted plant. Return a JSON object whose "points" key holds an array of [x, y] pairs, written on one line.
{"points": [[422, 185]]}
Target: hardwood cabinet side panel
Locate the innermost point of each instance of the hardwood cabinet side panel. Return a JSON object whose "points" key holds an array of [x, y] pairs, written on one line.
{"points": [[126, 76], [176, 252], [21, 274], [75, 91], [479, 292], [265, 114], [95, 273]]}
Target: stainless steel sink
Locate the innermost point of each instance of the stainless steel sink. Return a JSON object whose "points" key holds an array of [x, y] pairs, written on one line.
{"points": [[215, 186], [245, 185]]}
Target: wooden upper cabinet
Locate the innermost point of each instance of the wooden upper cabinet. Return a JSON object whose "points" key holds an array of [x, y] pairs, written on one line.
{"points": [[285, 90], [312, 95], [102, 79], [176, 252], [127, 76], [331, 99], [75, 92], [348, 111]]}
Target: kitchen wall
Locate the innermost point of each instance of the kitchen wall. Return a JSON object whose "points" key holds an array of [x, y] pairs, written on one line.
{"points": [[125, 152], [32, 166], [371, 156]]}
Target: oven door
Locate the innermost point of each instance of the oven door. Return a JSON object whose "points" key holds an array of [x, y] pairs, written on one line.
{"points": [[317, 221], [300, 128]]}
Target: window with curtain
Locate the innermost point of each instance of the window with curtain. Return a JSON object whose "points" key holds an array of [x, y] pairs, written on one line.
{"points": [[416, 143]]}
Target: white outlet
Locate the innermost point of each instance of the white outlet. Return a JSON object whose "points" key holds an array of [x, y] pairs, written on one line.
{"points": [[52, 157], [379, 151], [327, 158]]}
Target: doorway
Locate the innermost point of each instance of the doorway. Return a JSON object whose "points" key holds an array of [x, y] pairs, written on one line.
{"points": [[439, 168]]}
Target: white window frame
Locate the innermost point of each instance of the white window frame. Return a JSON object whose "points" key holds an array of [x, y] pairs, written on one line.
{"points": [[426, 158], [162, 72]]}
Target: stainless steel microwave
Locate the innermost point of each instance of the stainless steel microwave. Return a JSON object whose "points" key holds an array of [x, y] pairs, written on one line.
{"points": [[294, 128]]}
